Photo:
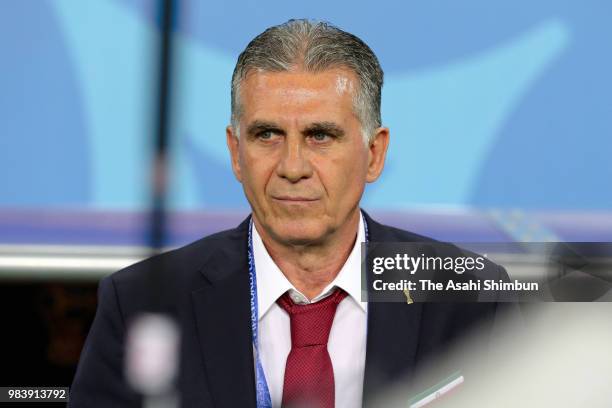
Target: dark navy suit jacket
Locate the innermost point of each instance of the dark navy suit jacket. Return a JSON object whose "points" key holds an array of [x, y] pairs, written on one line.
{"points": [[205, 285]]}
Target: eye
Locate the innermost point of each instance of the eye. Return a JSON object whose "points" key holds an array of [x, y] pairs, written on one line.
{"points": [[265, 135], [268, 136], [320, 137]]}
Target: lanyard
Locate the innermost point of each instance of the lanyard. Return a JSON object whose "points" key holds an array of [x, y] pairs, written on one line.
{"points": [[261, 386]]}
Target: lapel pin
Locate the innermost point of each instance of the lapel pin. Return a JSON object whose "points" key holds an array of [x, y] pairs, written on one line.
{"points": [[408, 298]]}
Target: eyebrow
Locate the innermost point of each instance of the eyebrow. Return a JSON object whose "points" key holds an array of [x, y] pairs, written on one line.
{"points": [[331, 128], [262, 125], [324, 127]]}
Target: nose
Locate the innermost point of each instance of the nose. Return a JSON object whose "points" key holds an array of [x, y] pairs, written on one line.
{"points": [[294, 164]]}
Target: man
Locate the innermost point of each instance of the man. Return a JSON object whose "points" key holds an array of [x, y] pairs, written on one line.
{"points": [[305, 137]]}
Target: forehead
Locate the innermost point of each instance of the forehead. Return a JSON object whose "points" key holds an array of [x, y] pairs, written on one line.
{"points": [[301, 92]]}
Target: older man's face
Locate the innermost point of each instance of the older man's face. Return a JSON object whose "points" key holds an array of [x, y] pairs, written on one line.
{"points": [[300, 156]]}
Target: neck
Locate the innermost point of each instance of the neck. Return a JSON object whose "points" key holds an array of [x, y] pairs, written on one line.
{"points": [[310, 268]]}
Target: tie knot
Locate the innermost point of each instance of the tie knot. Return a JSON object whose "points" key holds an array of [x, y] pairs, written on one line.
{"points": [[311, 323]]}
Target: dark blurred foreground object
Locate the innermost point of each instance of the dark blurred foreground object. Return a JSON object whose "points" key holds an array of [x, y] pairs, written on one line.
{"points": [[44, 328], [580, 271]]}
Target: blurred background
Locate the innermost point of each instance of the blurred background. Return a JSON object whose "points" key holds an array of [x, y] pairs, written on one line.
{"points": [[513, 98]]}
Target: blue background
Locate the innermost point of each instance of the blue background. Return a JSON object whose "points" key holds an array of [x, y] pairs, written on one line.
{"points": [[490, 104]]}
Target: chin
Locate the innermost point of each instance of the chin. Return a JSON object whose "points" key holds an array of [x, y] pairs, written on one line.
{"points": [[299, 232]]}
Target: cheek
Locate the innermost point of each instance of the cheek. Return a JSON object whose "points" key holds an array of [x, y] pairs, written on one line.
{"points": [[256, 169], [356, 164], [344, 177]]}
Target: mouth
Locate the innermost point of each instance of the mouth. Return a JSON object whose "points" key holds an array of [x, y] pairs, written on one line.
{"points": [[294, 199]]}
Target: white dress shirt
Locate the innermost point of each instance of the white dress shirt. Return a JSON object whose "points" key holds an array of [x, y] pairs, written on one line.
{"points": [[347, 338]]}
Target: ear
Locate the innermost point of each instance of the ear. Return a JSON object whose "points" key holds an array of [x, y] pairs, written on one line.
{"points": [[377, 153], [233, 144]]}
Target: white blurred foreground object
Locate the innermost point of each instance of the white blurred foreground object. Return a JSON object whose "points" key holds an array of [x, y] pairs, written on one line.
{"points": [[561, 358], [152, 358]]}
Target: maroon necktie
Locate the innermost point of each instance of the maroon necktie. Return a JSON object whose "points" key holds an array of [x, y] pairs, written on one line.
{"points": [[309, 375]]}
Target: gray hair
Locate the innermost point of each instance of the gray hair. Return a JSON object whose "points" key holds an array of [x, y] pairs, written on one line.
{"points": [[314, 47]]}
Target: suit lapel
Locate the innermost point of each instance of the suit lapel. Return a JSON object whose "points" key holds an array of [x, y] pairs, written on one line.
{"points": [[222, 311], [392, 336]]}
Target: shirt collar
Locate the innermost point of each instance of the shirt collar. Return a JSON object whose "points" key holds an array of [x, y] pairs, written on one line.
{"points": [[272, 283]]}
